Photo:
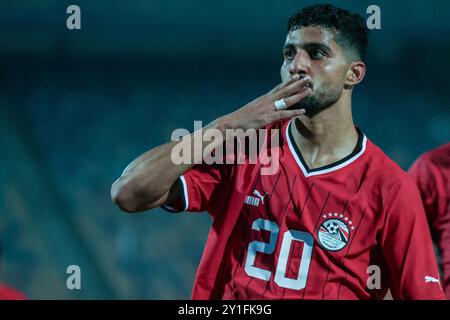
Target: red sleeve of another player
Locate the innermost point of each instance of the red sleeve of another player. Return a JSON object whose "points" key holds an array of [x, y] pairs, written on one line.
{"points": [[407, 245]]}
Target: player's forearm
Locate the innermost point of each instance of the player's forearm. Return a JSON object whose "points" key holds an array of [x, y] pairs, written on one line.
{"points": [[146, 182], [142, 185]]}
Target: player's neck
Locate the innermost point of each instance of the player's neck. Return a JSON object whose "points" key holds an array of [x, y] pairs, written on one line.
{"points": [[327, 137]]}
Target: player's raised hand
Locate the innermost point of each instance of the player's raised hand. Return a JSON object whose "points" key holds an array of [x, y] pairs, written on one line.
{"points": [[270, 107]]}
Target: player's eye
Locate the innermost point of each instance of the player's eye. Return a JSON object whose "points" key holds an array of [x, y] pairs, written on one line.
{"points": [[317, 54], [289, 54]]}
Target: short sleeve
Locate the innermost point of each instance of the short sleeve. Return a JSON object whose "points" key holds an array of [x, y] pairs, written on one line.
{"points": [[201, 186]]}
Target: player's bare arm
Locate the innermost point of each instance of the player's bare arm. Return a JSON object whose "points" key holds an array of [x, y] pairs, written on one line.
{"points": [[149, 181]]}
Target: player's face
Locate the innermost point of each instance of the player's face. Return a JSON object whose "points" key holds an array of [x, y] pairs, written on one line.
{"points": [[312, 52]]}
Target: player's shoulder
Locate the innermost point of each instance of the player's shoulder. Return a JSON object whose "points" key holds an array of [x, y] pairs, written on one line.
{"points": [[394, 187], [437, 156], [441, 150], [388, 174]]}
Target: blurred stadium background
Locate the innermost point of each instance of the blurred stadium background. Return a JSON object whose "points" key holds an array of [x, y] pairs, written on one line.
{"points": [[77, 106]]}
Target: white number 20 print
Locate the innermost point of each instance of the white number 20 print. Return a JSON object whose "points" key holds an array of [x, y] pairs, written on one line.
{"points": [[268, 248]]}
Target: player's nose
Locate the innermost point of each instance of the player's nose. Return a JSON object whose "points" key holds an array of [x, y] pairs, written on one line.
{"points": [[301, 64]]}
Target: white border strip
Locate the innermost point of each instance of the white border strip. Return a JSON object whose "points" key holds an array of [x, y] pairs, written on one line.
{"points": [[315, 173], [185, 196], [185, 192]]}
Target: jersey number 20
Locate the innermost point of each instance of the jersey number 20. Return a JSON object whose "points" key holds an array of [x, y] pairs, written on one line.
{"points": [[268, 248]]}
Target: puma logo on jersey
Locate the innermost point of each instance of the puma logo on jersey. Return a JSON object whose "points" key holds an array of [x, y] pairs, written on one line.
{"points": [[431, 279], [255, 201], [256, 192]]}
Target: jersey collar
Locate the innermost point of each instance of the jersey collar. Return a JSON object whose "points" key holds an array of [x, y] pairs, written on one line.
{"points": [[307, 172]]}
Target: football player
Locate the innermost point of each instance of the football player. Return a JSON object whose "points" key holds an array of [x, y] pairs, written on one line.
{"points": [[337, 220]]}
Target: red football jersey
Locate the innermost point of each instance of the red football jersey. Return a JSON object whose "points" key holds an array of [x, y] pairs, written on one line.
{"points": [[431, 172], [312, 234]]}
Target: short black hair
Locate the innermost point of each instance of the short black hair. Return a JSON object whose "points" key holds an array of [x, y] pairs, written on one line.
{"points": [[349, 28]]}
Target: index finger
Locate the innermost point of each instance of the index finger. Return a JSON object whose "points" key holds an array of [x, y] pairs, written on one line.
{"points": [[284, 84]]}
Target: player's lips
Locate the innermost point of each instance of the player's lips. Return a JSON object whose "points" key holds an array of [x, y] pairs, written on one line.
{"points": [[308, 83]]}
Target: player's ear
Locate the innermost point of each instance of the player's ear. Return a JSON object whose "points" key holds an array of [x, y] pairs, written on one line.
{"points": [[355, 74]]}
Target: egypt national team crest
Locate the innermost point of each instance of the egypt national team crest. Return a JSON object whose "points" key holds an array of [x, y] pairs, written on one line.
{"points": [[334, 233]]}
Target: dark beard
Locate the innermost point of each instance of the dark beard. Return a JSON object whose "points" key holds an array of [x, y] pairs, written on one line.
{"points": [[318, 102]]}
